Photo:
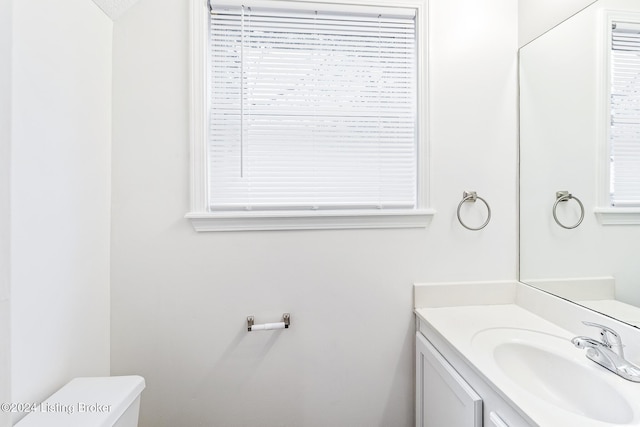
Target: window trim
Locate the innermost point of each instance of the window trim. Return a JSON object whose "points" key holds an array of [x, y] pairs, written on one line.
{"points": [[204, 220]]}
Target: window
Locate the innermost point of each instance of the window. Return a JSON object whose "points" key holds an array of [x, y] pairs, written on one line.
{"points": [[308, 115], [624, 134]]}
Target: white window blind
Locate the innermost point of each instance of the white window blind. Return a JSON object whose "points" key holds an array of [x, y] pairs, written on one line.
{"points": [[625, 115], [312, 108]]}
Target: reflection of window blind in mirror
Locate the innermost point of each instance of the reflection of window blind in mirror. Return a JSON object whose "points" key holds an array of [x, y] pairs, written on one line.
{"points": [[312, 109], [625, 114]]}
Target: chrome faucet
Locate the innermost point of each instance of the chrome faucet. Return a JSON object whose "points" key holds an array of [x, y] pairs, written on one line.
{"points": [[608, 353]]}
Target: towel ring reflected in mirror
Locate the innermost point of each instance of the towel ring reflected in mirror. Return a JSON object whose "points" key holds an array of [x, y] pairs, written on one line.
{"points": [[565, 196], [472, 196]]}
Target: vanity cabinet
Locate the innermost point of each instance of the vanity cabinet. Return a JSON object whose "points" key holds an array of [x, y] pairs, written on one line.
{"points": [[443, 397], [450, 392]]}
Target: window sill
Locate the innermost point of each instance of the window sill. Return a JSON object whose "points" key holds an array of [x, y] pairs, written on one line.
{"points": [[295, 220], [618, 216]]}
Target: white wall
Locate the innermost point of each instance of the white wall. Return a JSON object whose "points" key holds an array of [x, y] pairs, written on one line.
{"points": [[538, 16], [5, 200], [561, 150], [60, 194], [180, 299]]}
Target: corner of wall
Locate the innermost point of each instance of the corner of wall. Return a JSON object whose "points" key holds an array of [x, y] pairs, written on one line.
{"points": [[114, 8], [5, 206]]}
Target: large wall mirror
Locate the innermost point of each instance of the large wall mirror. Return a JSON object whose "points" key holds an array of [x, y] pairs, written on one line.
{"points": [[579, 129]]}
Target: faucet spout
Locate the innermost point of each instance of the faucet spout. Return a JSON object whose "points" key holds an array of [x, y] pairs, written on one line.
{"points": [[596, 351], [586, 342]]}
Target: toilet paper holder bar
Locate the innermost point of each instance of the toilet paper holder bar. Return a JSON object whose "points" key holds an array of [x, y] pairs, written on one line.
{"points": [[284, 324]]}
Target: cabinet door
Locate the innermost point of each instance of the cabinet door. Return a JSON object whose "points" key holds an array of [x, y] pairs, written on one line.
{"points": [[443, 397]]}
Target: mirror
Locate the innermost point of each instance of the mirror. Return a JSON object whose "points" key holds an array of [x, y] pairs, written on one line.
{"points": [[563, 147]]}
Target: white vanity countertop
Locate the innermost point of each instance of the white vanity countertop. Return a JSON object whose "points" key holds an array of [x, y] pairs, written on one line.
{"points": [[460, 326]]}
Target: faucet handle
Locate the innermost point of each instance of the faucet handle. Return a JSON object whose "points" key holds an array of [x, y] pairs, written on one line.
{"points": [[610, 338]]}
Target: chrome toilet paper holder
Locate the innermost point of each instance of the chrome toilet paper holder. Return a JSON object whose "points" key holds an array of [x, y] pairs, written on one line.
{"points": [[284, 324]]}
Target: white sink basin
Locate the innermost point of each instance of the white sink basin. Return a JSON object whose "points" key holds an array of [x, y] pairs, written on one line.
{"points": [[550, 368]]}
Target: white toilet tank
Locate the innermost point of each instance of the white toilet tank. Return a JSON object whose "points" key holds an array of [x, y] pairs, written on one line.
{"points": [[90, 402]]}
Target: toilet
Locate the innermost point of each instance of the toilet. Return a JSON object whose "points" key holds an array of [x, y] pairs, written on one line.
{"points": [[90, 402]]}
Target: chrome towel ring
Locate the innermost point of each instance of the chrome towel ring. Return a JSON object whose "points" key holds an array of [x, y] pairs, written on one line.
{"points": [[565, 196], [472, 196]]}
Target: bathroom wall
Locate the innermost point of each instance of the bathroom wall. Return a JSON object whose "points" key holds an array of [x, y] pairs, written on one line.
{"points": [[180, 299], [60, 193], [5, 200], [537, 16]]}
